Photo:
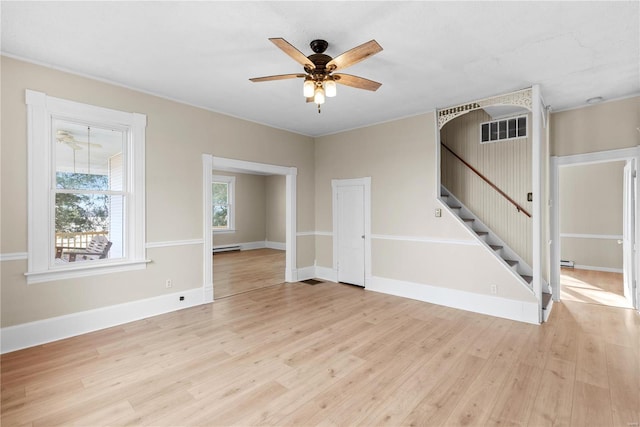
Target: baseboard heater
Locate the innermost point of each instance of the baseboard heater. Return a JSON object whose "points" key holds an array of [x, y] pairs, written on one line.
{"points": [[229, 248], [564, 263]]}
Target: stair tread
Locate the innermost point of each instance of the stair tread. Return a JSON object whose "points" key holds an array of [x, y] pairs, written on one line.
{"points": [[528, 279], [482, 233], [455, 207], [468, 219], [511, 262], [496, 247]]}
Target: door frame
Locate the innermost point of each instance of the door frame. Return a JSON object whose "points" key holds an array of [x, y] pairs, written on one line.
{"points": [[209, 163], [366, 184], [624, 154], [628, 231]]}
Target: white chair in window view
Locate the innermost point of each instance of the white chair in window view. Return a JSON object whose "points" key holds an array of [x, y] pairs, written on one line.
{"points": [[98, 248]]}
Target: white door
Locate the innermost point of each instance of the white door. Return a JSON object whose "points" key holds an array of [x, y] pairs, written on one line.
{"points": [[351, 236], [628, 233]]}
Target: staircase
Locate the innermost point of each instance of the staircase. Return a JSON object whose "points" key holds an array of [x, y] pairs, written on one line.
{"points": [[504, 253]]}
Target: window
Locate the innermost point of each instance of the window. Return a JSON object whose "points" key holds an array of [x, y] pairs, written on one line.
{"points": [[86, 189], [223, 200], [499, 130]]}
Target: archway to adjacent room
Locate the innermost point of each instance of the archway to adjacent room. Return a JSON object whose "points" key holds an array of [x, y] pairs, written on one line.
{"points": [[211, 163]]}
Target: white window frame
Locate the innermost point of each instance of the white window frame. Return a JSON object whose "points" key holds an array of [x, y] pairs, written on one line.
{"points": [[41, 266], [231, 201]]}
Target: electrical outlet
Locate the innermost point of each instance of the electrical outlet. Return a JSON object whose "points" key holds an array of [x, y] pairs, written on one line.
{"points": [[181, 298], [168, 283], [494, 289], [438, 213]]}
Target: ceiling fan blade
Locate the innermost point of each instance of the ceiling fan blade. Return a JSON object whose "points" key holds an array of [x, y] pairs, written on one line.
{"points": [[357, 82], [294, 53], [93, 144], [277, 77], [354, 55]]}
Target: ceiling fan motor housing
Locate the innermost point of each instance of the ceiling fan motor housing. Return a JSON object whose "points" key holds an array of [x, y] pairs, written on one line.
{"points": [[319, 46], [319, 60]]}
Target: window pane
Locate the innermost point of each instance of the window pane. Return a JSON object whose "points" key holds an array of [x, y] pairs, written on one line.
{"points": [[494, 131], [88, 227], [502, 132], [512, 128], [220, 193], [485, 132], [81, 181], [522, 126], [88, 157], [220, 216]]}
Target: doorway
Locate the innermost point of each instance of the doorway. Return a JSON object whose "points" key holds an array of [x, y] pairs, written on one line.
{"points": [[600, 188], [352, 230], [209, 163]]}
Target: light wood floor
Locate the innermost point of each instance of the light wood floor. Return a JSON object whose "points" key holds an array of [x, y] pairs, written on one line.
{"points": [[242, 271], [331, 354], [593, 287]]}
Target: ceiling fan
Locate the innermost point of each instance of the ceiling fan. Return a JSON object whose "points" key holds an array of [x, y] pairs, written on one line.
{"points": [[66, 137], [319, 78]]}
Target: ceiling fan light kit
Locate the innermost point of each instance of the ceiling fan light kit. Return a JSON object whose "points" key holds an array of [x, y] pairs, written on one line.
{"points": [[319, 80]]}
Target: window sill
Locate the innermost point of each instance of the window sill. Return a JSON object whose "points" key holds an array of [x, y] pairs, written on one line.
{"points": [[72, 272], [230, 231]]}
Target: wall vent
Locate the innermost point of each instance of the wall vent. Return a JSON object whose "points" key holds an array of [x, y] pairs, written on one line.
{"points": [[504, 129]]}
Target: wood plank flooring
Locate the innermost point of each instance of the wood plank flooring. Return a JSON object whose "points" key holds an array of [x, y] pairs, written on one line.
{"points": [[331, 354], [242, 271], [594, 287]]}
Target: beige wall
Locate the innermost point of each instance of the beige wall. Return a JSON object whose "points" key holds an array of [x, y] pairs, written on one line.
{"points": [[260, 210], [400, 158], [275, 204], [250, 208], [591, 201], [600, 127], [176, 137], [507, 164]]}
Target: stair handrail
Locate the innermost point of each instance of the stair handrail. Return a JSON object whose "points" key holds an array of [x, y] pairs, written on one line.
{"points": [[485, 179]]}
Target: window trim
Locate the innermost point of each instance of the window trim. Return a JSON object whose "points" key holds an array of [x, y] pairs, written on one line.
{"points": [[231, 201], [41, 223]]}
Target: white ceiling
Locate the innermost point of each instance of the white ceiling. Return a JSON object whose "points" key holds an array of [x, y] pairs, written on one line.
{"points": [[436, 54]]}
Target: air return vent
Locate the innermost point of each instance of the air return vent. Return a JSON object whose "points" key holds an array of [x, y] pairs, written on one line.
{"points": [[504, 129]]}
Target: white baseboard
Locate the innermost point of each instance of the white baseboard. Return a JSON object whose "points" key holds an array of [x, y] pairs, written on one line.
{"points": [[595, 268], [43, 331], [261, 244], [522, 311], [276, 245], [247, 246], [305, 273], [252, 245], [326, 273]]}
